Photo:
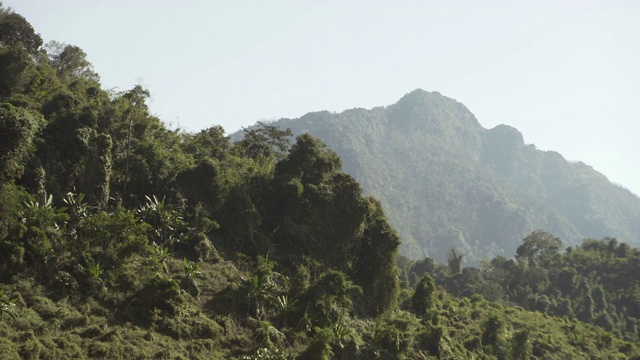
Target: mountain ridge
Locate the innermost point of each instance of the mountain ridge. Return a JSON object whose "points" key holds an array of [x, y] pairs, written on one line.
{"points": [[448, 182]]}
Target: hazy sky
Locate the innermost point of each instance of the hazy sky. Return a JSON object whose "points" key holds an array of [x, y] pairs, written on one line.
{"points": [[565, 73]]}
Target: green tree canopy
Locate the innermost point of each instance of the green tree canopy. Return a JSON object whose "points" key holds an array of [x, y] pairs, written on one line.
{"points": [[538, 245], [18, 132], [15, 30]]}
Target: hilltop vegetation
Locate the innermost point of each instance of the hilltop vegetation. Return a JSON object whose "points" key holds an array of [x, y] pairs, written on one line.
{"points": [[123, 238], [446, 182]]}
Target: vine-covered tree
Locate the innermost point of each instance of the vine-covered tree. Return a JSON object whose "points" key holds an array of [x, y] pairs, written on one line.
{"points": [[424, 296], [19, 131]]}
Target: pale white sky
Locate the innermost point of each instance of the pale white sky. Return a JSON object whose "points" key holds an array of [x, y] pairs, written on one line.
{"points": [[565, 73]]}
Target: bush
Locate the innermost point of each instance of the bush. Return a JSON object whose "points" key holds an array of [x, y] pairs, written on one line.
{"points": [[159, 293]]}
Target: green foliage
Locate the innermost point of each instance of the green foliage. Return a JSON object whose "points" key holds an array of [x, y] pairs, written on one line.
{"points": [[538, 246], [320, 348], [6, 304], [162, 255], [201, 184], [208, 143], [331, 293], [121, 238], [521, 346], [262, 288], [164, 219], [432, 340], [19, 128], [160, 293], [591, 283], [15, 30], [492, 330], [394, 336], [310, 160], [374, 259], [42, 234], [264, 141], [19, 46], [267, 354], [118, 229], [70, 62], [424, 296]]}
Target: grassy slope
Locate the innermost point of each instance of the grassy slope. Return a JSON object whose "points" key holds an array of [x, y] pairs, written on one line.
{"points": [[211, 326]]}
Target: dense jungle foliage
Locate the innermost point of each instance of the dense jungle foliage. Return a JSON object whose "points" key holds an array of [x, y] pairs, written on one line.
{"points": [[445, 181], [123, 238], [596, 282]]}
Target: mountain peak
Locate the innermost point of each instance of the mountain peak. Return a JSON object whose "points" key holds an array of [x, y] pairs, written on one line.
{"points": [[433, 113], [419, 96], [506, 134]]}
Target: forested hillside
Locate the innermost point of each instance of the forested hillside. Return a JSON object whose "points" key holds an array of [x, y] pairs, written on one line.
{"points": [[123, 238], [596, 282], [446, 182]]}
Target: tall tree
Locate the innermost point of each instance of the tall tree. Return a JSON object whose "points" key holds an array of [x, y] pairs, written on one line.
{"points": [[15, 30], [137, 97], [373, 260], [71, 62], [265, 140], [309, 186], [537, 246]]}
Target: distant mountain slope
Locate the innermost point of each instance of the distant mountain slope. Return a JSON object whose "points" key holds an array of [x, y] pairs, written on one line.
{"points": [[447, 182]]}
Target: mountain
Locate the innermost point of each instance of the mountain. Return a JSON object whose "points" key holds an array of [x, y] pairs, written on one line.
{"points": [[446, 182]]}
